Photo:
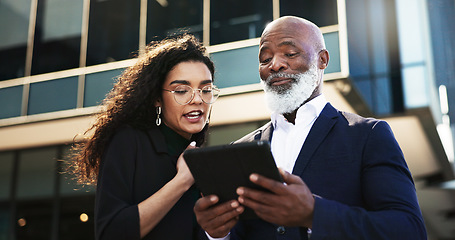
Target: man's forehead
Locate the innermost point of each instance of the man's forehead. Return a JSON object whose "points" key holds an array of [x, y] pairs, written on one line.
{"points": [[277, 35], [266, 43]]}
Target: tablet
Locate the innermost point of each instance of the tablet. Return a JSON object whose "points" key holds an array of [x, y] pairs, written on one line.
{"points": [[220, 170]]}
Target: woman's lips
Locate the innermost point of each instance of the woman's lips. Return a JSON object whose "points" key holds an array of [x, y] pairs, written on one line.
{"points": [[193, 116]]}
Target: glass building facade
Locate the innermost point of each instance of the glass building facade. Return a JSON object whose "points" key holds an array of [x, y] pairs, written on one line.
{"points": [[59, 58], [75, 39]]}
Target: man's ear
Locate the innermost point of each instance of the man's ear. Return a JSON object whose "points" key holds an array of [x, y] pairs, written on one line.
{"points": [[323, 59]]}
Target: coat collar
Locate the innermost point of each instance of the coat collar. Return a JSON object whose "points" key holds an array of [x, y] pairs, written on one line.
{"points": [[317, 134], [158, 140]]}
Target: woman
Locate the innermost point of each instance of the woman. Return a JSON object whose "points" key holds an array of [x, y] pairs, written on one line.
{"points": [[157, 107]]}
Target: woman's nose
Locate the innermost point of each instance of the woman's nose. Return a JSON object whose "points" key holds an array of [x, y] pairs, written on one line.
{"points": [[197, 97]]}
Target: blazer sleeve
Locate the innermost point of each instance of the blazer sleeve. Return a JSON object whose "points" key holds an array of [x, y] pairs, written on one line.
{"points": [[391, 209], [116, 213]]}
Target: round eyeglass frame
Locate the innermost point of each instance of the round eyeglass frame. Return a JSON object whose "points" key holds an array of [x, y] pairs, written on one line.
{"points": [[214, 89]]}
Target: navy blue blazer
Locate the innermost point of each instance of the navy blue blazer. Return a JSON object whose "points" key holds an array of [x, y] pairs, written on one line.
{"points": [[357, 167]]}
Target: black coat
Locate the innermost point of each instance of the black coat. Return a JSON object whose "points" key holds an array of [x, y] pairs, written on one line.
{"points": [[137, 164]]}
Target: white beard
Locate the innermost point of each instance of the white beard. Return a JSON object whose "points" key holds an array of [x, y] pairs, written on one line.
{"points": [[287, 99]]}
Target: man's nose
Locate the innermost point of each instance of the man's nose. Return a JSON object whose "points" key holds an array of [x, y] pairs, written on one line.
{"points": [[278, 64]]}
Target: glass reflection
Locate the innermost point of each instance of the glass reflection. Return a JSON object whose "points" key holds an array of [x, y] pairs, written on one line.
{"points": [[113, 32], [57, 35], [234, 20], [171, 17], [321, 12], [14, 22]]}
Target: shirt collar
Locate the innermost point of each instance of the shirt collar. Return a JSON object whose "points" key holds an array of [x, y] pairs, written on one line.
{"points": [[305, 114]]}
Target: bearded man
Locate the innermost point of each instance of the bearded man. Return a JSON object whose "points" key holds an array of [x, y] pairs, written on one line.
{"points": [[349, 178]]}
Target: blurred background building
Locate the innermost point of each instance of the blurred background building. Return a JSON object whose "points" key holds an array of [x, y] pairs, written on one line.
{"points": [[390, 59]]}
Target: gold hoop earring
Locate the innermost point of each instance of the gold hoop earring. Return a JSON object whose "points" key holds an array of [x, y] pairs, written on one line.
{"points": [[158, 119]]}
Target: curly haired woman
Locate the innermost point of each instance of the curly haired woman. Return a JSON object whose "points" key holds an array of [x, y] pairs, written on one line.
{"points": [[157, 108]]}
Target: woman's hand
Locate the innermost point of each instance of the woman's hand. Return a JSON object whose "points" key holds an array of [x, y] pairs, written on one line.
{"points": [[154, 208], [183, 172]]}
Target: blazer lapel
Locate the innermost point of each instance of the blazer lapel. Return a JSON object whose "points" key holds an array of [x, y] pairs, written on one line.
{"points": [[263, 133], [266, 133], [317, 134]]}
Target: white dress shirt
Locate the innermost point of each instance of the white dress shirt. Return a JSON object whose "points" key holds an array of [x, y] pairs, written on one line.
{"points": [[288, 138]]}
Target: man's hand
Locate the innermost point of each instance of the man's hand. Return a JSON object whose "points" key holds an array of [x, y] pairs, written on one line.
{"points": [[217, 220], [289, 204]]}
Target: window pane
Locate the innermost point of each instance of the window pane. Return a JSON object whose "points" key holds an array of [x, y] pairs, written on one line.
{"points": [[68, 180], [415, 88], [321, 12], [410, 31], [55, 95], [332, 43], [4, 220], [113, 32], [6, 169], [14, 19], [11, 99], [37, 169], [35, 190], [71, 227], [364, 85], [37, 215], [236, 67], [166, 18], [57, 35], [383, 96], [233, 20], [97, 85]]}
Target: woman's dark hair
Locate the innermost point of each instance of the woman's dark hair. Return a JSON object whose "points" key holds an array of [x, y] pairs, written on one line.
{"points": [[131, 101]]}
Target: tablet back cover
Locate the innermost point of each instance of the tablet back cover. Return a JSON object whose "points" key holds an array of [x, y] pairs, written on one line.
{"points": [[220, 170]]}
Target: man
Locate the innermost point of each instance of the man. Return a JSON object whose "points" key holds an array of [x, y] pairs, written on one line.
{"points": [[349, 178]]}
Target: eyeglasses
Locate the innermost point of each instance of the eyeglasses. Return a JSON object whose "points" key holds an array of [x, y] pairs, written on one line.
{"points": [[184, 94]]}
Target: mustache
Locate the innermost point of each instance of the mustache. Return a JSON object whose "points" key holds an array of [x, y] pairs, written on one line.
{"points": [[281, 75]]}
